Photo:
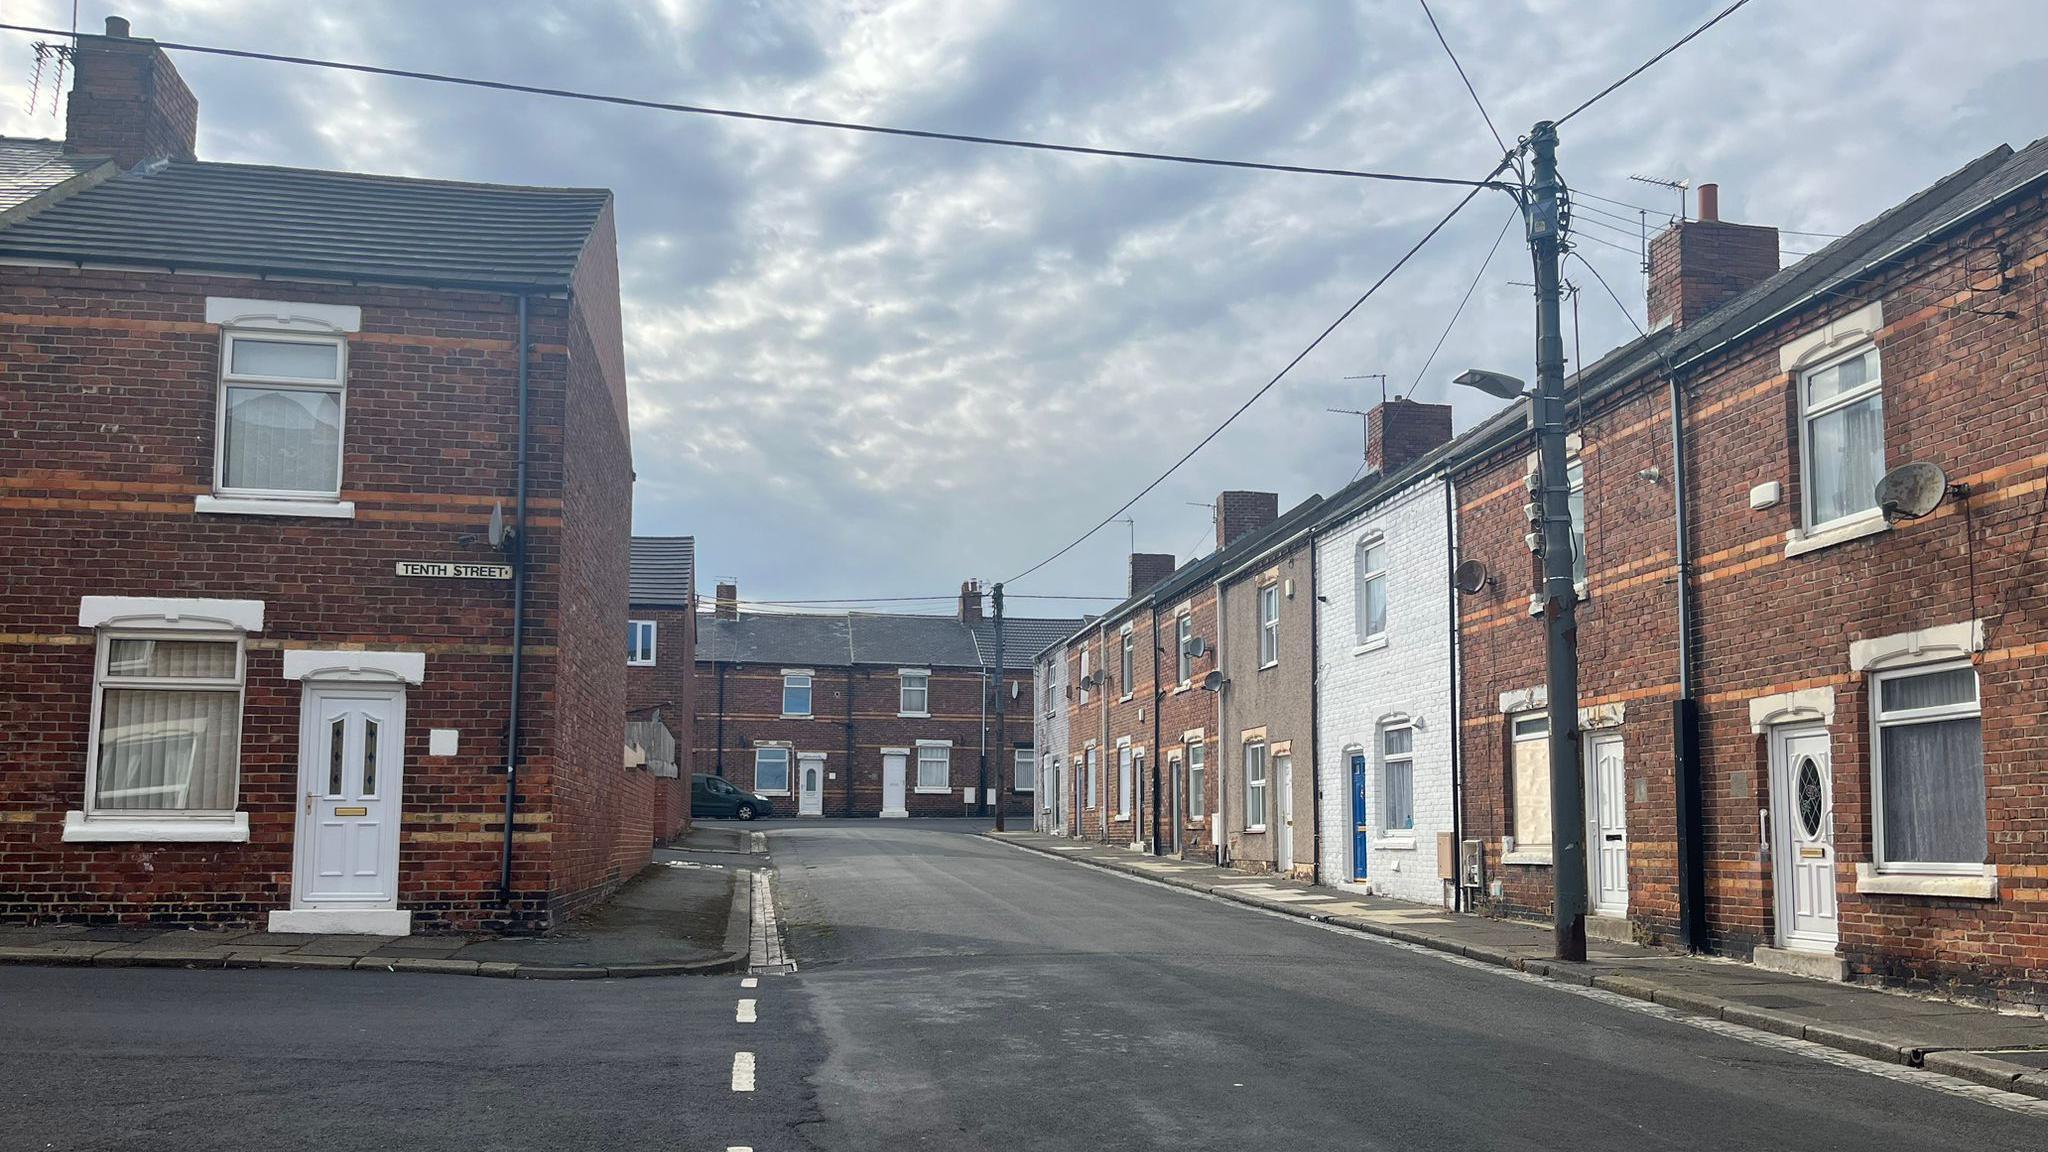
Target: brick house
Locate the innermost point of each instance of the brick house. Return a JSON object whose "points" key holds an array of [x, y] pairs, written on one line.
{"points": [[868, 714], [1265, 641], [661, 666], [1386, 717], [260, 662], [1860, 792]]}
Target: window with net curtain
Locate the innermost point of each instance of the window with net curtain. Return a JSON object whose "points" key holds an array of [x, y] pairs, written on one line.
{"points": [[1842, 432], [170, 726], [281, 407], [1397, 763], [1197, 770], [934, 766], [1930, 771], [1371, 581], [1026, 761]]}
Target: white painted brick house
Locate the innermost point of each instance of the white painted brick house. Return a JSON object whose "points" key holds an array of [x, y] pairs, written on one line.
{"points": [[1385, 707]]}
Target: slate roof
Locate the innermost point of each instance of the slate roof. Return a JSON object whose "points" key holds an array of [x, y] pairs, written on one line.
{"points": [[837, 640], [190, 214], [664, 571], [29, 168]]}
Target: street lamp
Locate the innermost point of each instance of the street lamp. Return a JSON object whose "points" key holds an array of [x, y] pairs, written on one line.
{"points": [[1496, 384]]}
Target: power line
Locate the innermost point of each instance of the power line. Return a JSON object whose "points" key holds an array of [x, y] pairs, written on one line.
{"points": [[1611, 296], [1276, 378], [1462, 301], [1611, 244], [1578, 192], [1645, 66], [772, 118], [1476, 102]]}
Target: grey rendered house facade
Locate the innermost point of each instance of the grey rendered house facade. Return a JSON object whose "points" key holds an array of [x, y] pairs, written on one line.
{"points": [[1049, 737], [1265, 627]]}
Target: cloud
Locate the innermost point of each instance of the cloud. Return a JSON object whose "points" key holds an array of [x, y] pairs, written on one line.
{"points": [[864, 365]]}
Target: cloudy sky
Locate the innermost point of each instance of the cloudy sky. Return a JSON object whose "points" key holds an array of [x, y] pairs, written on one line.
{"points": [[877, 367]]}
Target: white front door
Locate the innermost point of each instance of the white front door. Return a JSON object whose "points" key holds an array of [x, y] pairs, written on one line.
{"points": [[1607, 817], [351, 743], [1803, 838], [1283, 813], [810, 796], [894, 761]]}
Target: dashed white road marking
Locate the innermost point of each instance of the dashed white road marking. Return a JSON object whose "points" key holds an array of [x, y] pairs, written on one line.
{"points": [[745, 1015], [743, 1071], [750, 982]]}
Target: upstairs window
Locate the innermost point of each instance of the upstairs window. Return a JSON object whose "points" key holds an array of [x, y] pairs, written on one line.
{"points": [[1123, 672], [1084, 675], [1841, 409], [1186, 647], [1269, 625], [1575, 478], [796, 694], [1372, 589], [170, 726], [639, 643], [280, 416], [1930, 771], [914, 692]]}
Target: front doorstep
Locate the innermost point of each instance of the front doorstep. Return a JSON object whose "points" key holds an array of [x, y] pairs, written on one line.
{"points": [[343, 921], [1812, 965], [895, 814], [1613, 929]]}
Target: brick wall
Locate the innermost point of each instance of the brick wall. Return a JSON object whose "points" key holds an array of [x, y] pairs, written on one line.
{"points": [[1400, 432], [1187, 708], [669, 685], [128, 102]]}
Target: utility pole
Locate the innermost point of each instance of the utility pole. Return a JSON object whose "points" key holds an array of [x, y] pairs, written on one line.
{"points": [[1002, 792], [1560, 592]]}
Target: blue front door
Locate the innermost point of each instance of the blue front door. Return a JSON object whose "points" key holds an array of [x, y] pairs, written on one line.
{"points": [[1358, 817]]}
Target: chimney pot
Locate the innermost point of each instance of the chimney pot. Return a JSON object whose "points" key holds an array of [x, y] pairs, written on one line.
{"points": [[1698, 265], [117, 27], [1710, 202]]}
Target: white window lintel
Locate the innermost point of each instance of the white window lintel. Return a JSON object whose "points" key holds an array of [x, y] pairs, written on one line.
{"points": [[169, 612], [1525, 699], [1838, 335], [283, 315], [1921, 646]]}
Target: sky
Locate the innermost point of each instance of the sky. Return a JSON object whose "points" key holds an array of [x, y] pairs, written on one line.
{"points": [[872, 367]]}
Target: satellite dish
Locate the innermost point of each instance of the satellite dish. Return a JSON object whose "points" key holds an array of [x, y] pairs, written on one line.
{"points": [[1088, 682], [1197, 647], [1213, 682], [1470, 577], [498, 533], [1911, 491]]}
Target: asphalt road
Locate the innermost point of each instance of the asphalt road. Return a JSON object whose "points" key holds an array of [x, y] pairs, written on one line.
{"points": [[952, 993]]}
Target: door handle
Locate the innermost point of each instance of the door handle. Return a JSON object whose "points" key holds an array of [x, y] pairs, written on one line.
{"points": [[1763, 821]]}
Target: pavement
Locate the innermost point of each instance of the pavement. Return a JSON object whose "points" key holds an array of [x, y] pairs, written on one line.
{"points": [[690, 912], [1999, 1050]]}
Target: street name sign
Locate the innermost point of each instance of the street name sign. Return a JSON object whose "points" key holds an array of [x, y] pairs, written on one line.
{"points": [[454, 570]]}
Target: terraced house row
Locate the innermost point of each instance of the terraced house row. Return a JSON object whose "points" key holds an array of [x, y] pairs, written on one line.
{"points": [[1811, 722]]}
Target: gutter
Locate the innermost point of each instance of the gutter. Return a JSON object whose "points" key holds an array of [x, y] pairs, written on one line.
{"points": [[518, 558], [1315, 750], [1457, 698]]}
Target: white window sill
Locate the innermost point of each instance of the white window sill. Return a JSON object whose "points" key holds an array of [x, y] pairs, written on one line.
{"points": [[1255, 829], [1124, 699], [1403, 841], [1269, 664], [80, 828], [1526, 856], [1869, 881], [772, 792], [914, 715], [796, 715], [1198, 822], [1373, 644], [639, 663], [1869, 523], [921, 790], [250, 506]]}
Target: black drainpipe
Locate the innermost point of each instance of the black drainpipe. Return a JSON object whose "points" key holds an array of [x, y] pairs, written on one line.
{"points": [[518, 557], [1315, 679], [1158, 754], [1685, 711], [1457, 701], [718, 756], [849, 736]]}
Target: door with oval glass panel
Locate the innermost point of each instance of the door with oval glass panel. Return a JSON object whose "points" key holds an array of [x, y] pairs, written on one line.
{"points": [[1802, 836], [351, 772], [810, 795]]}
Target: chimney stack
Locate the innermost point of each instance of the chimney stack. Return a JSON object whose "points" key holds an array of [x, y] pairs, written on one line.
{"points": [[1149, 568], [970, 601], [1239, 513], [727, 606], [1400, 432], [1698, 265], [128, 101]]}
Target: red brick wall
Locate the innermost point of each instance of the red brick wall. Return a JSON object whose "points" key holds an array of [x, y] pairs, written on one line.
{"points": [[107, 405], [669, 684], [1183, 710], [128, 102]]}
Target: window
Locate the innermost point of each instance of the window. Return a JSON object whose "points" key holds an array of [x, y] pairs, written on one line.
{"points": [[1269, 625], [1255, 787], [1575, 478], [1841, 438], [1372, 589], [1930, 771], [1198, 799], [278, 434], [771, 770], [913, 692], [1026, 760], [169, 727], [934, 767], [1084, 675], [1124, 787], [1123, 671], [796, 694], [1397, 779], [639, 642], [1094, 779], [1186, 640], [1530, 743]]}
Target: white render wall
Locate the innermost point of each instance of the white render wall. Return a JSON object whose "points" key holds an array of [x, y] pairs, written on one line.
{"points": [[1358, 691], [1049, 729]]}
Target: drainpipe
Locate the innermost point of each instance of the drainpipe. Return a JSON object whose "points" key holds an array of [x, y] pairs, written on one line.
{"points": [[1221, 820], [849, 737], [718, 757], [1315, 751], [1158, 753], [1457, 699], [981, 779], [1685, 711], [518, 557]]}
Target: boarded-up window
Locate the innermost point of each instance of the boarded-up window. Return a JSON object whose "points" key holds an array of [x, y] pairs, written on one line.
{"points": [[1531, 746]]}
